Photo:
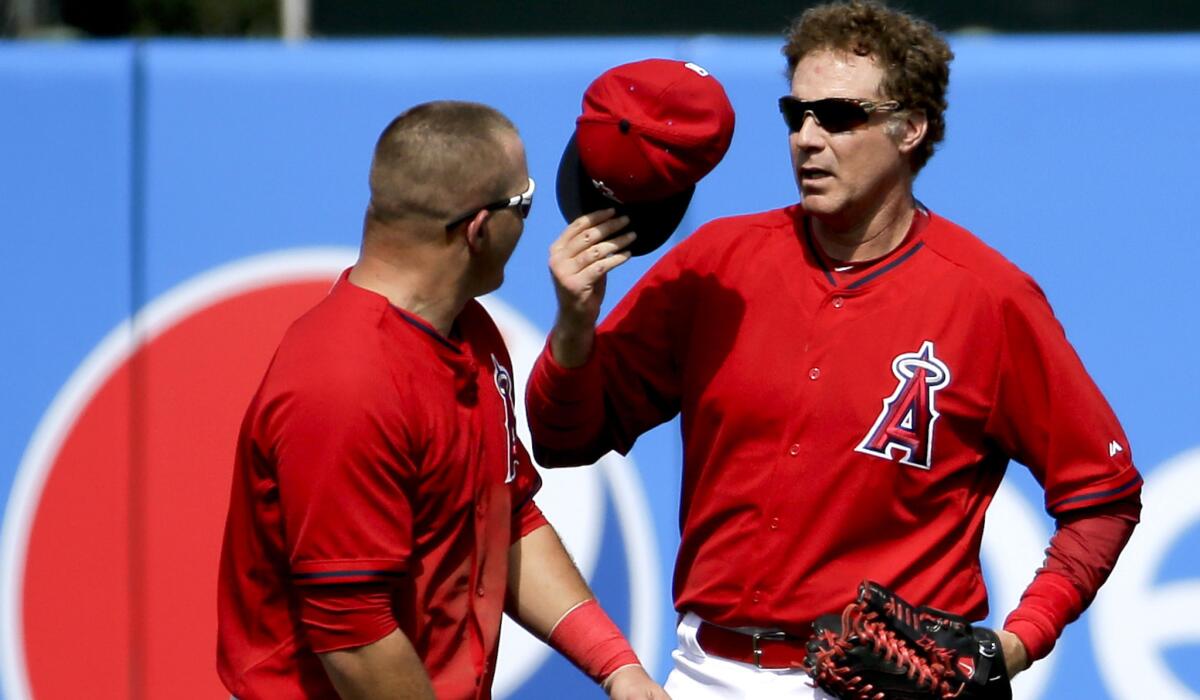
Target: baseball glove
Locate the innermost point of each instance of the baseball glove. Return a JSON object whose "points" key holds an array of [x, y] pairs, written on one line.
{"points": [[883, 648]]}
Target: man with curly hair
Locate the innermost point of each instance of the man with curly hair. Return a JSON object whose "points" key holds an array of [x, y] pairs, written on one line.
{"points": [[853, 374]]}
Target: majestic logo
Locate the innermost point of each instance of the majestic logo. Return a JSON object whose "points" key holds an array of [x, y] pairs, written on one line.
{"points": [[905, 426], [504, 385]]}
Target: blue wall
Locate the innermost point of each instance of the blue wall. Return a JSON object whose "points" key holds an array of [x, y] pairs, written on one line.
{"points": [[129, 169]]}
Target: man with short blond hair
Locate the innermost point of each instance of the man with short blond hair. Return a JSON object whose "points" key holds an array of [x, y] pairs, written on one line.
{"points": [[383, 515]]}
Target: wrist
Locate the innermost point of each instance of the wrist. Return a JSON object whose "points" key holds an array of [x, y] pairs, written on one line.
{"points": [[571, 342], [607, 683], [1016, 656], [591, 641]]}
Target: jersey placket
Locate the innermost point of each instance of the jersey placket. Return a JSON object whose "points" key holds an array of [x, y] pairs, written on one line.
{"points": [[492, 514], [826, 301], [478, 485]]}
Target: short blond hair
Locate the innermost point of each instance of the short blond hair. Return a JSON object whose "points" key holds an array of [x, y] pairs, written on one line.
{"points": [[438, 156]]}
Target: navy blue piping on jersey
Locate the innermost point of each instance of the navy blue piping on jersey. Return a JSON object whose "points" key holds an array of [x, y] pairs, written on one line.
{"points": [[867, 278], [349, 574], [1135, 481], [429, 331], [812, 246]]}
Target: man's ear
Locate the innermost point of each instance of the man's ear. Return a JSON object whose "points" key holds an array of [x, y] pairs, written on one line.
{"points": [[912, 133], [476, 230]]}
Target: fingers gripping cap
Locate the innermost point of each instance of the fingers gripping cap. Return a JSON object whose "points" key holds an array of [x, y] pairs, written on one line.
{"points": [[649, 131]]}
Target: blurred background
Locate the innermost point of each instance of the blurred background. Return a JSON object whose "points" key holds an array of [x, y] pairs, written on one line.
{"points": [[179, 179], [334, 18]]}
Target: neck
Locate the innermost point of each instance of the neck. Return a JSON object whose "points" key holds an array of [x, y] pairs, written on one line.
{"points": [[415, 278], [866, 237]]}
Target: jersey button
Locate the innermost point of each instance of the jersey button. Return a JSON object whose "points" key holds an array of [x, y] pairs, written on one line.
{"points": [[479, 591], [814, 373], [774, 523], [794, 450], [757, 597], [838, 302]]}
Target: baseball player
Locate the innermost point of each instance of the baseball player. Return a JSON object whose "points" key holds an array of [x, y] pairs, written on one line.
{"points": [[853, 374], [382, 515]]}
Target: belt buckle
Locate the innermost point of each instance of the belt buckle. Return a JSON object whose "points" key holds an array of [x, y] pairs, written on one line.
{"points": [[758, 650]]}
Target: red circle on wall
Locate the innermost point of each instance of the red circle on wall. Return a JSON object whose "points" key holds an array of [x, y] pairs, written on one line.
{"points": [[118, 597]]}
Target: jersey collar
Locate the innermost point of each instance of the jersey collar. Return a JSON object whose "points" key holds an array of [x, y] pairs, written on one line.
{"points": [[858, 275]]}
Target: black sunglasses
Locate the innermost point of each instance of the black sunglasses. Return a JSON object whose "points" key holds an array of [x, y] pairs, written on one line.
{"points": [[523, 202], [833, 114]]}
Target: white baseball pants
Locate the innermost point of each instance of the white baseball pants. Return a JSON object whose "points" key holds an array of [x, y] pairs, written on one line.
{"points": [[698, 676]]}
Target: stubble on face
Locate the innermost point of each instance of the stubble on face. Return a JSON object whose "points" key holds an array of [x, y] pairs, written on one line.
{"points": [[839, 174]]}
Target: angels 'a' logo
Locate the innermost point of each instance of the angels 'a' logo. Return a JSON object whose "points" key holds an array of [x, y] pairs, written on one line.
{"points": [[504, 385], [904, 428]]}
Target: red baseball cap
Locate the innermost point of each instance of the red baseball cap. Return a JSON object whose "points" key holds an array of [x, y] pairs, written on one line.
{"points": [[649, 131]]}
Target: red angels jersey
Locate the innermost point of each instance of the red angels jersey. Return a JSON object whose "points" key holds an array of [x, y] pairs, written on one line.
{"points": [[375, 450], [836, 426]]}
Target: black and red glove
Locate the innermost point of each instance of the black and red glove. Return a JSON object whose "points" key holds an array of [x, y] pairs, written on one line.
{"points": [[882, 648]]}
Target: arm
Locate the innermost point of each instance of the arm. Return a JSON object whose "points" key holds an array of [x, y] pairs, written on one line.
{"points": [[1080, 557], [388, 668], [579, 264], [1049, 415], [595, 389], [549, 598], [565, 400]]}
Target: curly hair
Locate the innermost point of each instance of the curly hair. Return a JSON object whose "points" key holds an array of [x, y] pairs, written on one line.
{"points": [[914, 57]]}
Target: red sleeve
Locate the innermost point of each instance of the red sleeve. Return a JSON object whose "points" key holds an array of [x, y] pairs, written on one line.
{"points": [[565, 408], [1080, 557], [1049, 415], [526, 516], [630, 383], [345, 617], [527, 519], [345, 482]]}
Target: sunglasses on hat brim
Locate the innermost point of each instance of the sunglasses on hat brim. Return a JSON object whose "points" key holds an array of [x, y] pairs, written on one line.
{"points": [[833, 114]]}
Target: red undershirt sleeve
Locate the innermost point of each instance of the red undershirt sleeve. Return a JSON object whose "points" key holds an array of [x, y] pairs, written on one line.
{"points": [[346, 616], [1080, 557]]}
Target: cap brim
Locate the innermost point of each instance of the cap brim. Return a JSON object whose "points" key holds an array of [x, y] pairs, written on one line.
{"points": [[654, 221]]}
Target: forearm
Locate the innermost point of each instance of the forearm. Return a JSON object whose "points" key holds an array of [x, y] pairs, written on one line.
{"points": [[543, 583], [388, 668], [549, 597], [1080, 557]]}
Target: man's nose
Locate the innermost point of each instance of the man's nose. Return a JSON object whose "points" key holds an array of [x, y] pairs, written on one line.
{"points": [[810, 134]]}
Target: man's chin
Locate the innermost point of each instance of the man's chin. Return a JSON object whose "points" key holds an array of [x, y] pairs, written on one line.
{"points": [[818, 203]]}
